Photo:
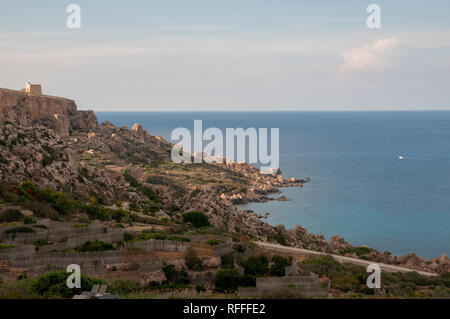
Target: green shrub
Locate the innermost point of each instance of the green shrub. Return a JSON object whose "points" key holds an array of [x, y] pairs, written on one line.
{"points": [[41, 209], [256, 265], [22, 229], [11, 215], [200, 288], [7, 193], [214, 242], [174, 276], [344, 277], [360, 251], [40, 242], [150, 193], [227, 280], [147, 235], [96, 245], [192, 260], [227, 261], [28, 220], [47, 160], [131, 179], [27, 189], [58, 200], [197, 219], [124, 287], [40, 226], [322, 265], [6, 246], [97, 211], [279, 265], [118, 214], [55, 284], [127, 236]]}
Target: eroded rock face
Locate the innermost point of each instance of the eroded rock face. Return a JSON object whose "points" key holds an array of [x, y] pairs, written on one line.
{"points": [[35, 153], [56, 113], [338, 243]]}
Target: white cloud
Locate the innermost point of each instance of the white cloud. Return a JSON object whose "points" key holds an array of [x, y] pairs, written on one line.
{"points": [[373, 57]]}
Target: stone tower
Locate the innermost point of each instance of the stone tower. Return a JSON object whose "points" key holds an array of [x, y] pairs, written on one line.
{"points": [[33, 88]]}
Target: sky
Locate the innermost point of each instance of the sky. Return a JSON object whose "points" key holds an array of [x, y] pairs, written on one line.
{"points": [[212, 55]]}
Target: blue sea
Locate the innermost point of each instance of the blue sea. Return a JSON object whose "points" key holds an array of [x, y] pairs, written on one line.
{"points": [[359, 188]]}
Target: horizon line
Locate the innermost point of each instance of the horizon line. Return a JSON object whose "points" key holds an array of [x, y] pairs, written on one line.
{"points": [[271, 111]]}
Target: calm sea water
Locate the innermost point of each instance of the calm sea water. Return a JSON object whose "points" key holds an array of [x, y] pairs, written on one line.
{"points": [[359, 187]]}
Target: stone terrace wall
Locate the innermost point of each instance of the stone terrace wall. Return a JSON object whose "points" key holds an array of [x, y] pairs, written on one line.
{"points": [[88, 259], [18, 254], [22, 238], [161, 245], [212, 251], [271, 283], [205, 238], [60, 232], [203, 277], [223, 249], [66, 232], [179, 246], [113, 235], [303, 285]]}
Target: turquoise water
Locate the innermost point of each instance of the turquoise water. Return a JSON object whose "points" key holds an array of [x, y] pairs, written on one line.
{"points": [[359, 188]]}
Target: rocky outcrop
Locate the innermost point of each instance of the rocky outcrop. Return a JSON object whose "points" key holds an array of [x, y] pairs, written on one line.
{"points": [[36, 153], [56, 113], [140, 133]]}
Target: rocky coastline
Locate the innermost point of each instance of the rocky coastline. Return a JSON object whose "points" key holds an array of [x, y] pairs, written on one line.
{"points": [[47, 140]]}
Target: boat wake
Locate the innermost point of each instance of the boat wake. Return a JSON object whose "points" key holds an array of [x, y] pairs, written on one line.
{"points": [[402, 157]]}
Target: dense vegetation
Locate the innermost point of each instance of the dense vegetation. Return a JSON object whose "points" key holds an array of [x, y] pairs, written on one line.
{"points": [[228, 279], [48, 203], [150, 234], [96, 245], [351, 279], [11, 215], [197, 219], [55, 284]]}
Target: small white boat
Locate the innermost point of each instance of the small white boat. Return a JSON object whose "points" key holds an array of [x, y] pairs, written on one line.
{"points": [[401, 157]]}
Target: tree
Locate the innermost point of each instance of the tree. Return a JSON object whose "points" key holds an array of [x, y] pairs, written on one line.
{"points": [[279, 265], [174, 276], [11, 215], [227, 261], [227, 280], [256, 265], [197, 219]]}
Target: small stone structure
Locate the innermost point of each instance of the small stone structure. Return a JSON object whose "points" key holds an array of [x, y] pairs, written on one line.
{"points": [[35, 89], [303, 285], [295, 281]]}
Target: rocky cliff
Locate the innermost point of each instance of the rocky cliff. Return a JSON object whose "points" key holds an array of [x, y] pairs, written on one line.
{"points": [[56, 113]]}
